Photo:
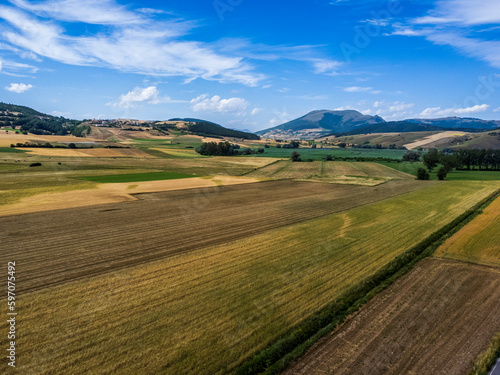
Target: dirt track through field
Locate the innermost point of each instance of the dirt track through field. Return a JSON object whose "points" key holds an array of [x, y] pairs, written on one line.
{"points": [[59, 246], [435, 320]]}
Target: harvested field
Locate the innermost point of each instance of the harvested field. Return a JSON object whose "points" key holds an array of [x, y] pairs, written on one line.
{"points": [[119, 230], [71, 196], [478, 241], [435, 320], [434, 138], [89, 152], [330, 171], [205, 311], [7, 139]]}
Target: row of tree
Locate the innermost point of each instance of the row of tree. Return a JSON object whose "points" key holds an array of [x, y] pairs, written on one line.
{"points": [[225, 149]]}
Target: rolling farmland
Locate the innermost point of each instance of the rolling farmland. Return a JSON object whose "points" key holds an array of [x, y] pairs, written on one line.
{"points": [[330, 171], [207, 310]]}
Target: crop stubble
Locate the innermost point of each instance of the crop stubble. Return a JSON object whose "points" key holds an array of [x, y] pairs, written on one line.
{"points": [[435, 320], [58, 246]]}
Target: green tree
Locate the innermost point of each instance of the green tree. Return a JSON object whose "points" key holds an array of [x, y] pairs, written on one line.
{"points": [[441, 173], [422, 174], [295, 156], [431, 159]]}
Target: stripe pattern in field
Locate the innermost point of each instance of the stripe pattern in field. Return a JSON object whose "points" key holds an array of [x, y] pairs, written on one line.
{"points": [[206, 311], [434, 320], [478, 241], [330, 171], [59, 246]]}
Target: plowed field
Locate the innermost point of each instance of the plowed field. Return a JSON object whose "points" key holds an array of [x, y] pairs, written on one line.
{"points": [[435, 320]]}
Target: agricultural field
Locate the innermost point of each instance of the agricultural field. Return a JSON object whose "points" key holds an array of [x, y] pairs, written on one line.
{"points": [[330, 171], [384, 139], [479, 241], [204, 303], [435, 320], [338, 153]]}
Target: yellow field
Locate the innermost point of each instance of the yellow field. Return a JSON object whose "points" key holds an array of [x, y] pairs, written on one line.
{"points": [[478, 241], [89, 152], [7, 139], [206, 311], [21, 201]]}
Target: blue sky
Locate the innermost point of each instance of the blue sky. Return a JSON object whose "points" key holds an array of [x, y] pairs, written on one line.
{"points": [[251, 64]]}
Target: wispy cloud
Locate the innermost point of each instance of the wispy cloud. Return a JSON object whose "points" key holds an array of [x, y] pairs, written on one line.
{"points": [[368, 90], [18, 88], [131, 43], [101, 12], [203, 103], [455, 23]]}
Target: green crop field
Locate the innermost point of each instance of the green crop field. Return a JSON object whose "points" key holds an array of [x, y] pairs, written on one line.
{"points": [[206, 311], [136, 177], [330, 171], [471, 175], [12, 150], [321, 153]]}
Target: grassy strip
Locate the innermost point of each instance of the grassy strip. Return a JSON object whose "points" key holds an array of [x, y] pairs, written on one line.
{"points": [[11, 150], [136, 177], [487, 359], [292, 345]]}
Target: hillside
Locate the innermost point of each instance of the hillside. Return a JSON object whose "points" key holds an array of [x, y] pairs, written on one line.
{"points": [[322, 122], [317, 124], [29, 120], [458, 123], [210, 129]]}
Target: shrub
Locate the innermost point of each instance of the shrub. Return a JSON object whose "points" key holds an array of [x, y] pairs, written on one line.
{"points": [[441, 173], [35, 164], [422, 174]]}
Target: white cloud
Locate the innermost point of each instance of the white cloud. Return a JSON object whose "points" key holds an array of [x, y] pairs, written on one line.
{"points": [[255, 111], [133, 43], [215, 104], [327, 67], [149, 95], [464, 12], [102, 12], [369, 90], [452, 23], [400, 106], [18, 87], [344, 108], [497, 110], [284, 89], [439, 112]]}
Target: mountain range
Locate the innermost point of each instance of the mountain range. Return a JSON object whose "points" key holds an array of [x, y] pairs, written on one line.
{"points": [[321, 123]]}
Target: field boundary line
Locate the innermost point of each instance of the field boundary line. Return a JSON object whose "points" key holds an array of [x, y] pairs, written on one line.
{"points": [[292, 345]]}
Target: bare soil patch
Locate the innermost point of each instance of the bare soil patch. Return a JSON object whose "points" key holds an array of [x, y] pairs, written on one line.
{"points": [[435, 320]]}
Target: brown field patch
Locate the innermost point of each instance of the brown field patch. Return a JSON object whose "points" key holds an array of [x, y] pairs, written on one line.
{"points": [[435, 320], [434, 138], [89, 152], [478, 241], [107, 237], [11, 137], [112, 193]]}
